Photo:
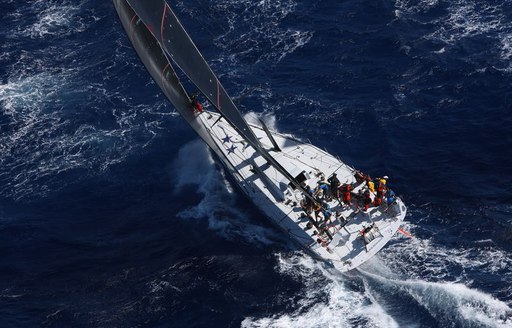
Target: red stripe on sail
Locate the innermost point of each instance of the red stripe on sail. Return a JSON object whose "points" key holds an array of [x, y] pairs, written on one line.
{"points": [[162, 24]]}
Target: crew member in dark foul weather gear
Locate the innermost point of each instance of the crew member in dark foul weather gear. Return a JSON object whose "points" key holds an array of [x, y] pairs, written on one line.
{"points": [[335, 184]]}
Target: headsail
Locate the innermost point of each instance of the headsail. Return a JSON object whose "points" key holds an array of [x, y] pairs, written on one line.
{"points": [[160, 19], [165, 26]]}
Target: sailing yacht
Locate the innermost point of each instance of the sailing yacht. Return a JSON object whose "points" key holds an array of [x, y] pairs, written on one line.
{"points": [[323, 204]]}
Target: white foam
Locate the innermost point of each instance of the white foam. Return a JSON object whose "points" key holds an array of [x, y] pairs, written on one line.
{"points": [[406, 267], [506, 46], [195, 166], [462, 20], [467, 19], [262, 21], [268, 118], [414, 6], [451, 302], [54, 18], [425, 258], [326, 301], [41, 140]]}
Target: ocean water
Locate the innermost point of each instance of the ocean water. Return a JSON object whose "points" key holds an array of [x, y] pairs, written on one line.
{"points": [[114, 214]]}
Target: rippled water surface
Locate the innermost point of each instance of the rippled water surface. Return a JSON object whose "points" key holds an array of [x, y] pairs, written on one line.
{"points": [[114, 214]]}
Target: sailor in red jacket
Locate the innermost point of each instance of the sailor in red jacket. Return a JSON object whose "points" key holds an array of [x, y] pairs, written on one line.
{"points": [[196, 104]]}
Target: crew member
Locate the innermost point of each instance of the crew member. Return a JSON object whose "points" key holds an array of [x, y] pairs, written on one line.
{"points": [[367, 200], [390, 197], [383, 181], [335, 183], [196, 104], [346, 189], [370, 184]]}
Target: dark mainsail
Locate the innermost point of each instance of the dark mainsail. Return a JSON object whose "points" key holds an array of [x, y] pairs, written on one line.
{"points": [[167, 30], [154, 59]]}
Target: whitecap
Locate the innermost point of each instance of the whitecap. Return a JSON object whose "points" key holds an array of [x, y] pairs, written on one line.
{"points": [[54, 18], [451, 302], [327, 301]]}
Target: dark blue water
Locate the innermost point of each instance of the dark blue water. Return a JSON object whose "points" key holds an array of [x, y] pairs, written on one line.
{"points": [[113, 213]]}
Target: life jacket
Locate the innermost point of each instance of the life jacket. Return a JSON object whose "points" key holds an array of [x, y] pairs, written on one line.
{"points": [[371, 186], [346, 191], [347, 197]]}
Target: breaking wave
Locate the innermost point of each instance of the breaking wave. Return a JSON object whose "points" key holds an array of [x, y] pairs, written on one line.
{"points": [[328, 300], [446, 301], [365, 300], [194, 166]]}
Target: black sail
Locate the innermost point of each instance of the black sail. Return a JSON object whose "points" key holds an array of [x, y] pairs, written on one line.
{"points": [[167, 29], [152, 56], [163, 24]]}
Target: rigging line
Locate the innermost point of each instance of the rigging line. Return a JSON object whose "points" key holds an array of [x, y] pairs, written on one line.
{"points": [[295, 158]]}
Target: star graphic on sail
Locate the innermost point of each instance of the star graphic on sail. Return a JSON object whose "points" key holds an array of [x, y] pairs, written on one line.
{"points": [[226, 139], [231, 149]]}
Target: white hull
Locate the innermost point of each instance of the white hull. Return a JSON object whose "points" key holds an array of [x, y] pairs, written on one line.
{"points": [[270, 192], [338, 241]]}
